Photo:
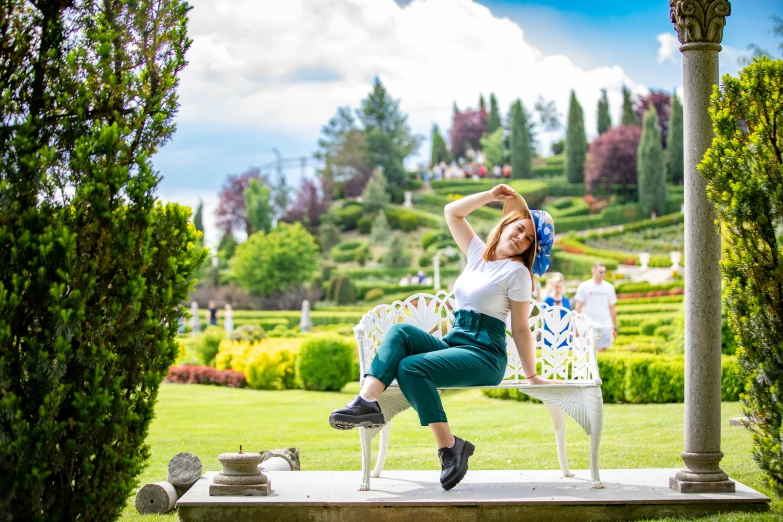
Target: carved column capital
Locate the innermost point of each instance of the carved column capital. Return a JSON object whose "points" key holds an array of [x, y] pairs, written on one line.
{"points": [[699, 23]]}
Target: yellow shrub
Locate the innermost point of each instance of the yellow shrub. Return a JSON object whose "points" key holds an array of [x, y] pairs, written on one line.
{"points": [[271, 370], [233, 355]]}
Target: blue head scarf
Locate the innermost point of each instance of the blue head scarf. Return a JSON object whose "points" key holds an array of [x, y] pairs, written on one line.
{"points": [[545, 238]]}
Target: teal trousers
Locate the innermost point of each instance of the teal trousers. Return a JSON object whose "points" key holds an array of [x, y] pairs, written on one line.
{"points": [[473, 353]]}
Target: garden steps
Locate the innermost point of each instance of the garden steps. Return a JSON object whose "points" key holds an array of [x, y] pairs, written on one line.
{"points": [[483, 495]]}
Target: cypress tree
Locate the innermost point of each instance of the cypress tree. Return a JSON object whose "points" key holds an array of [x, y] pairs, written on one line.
{"points": [[482, 103], [604, 119], [652, 182], [493, 121], [198, 217], [675, 146], [521, 150], [576, 142], [376, 192], [629, 116], [439, 149]]}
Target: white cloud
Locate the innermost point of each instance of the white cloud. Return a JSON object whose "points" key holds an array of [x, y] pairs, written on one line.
{"points": [[288, 65], [668, 46]]}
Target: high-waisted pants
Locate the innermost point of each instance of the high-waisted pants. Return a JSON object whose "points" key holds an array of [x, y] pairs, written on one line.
{"points": [[473, 353]]}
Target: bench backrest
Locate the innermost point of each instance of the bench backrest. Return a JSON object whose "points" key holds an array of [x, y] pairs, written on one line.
{"points": [[564, 340]]}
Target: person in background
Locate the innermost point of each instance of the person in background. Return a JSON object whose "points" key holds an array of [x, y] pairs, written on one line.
{"points": [[596, 299], [497, 171], [213, 313], [228, 319], [507, 171], [420, 277], [555, 289]]}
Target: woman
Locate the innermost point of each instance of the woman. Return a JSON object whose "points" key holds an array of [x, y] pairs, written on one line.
{"points": [[556, 292], [497, 280]]}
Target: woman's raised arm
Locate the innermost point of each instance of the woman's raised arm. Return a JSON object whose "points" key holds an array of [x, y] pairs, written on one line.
{"points": [[456, 211]]}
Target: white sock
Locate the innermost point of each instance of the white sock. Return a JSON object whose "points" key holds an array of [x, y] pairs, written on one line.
{"points": [[366, 399]]}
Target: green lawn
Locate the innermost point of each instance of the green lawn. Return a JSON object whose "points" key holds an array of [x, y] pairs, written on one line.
{"points": [[208, 420]]}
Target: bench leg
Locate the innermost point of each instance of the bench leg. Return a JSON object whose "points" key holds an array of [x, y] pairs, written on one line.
{"points": [[595, 410], [366, 435], [385, 433], [559, 420]]}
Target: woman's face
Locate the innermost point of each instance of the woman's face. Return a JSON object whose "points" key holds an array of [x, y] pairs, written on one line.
{"points": [[558, 289], [516, 238]]}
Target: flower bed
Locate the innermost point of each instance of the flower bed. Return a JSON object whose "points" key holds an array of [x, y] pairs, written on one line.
{"points": [[205, 375]]}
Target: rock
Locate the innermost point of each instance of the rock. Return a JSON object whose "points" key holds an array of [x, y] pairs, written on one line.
{"points": [[739, 421], [156, 499], [291, 455], [184, 470]]}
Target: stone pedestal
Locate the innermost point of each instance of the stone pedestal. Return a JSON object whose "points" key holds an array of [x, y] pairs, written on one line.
{"points": [[408, 201], [699, 25], [240, 477]]}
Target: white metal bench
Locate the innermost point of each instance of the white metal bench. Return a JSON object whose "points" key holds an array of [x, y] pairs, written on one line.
{"points": [[568, 355]]}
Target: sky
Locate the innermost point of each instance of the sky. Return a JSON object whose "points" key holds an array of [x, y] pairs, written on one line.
{"points": [[267, 75]]}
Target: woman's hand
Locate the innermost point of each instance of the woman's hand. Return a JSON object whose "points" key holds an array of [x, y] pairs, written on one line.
{"points": [[540, 380], [502, 192]]}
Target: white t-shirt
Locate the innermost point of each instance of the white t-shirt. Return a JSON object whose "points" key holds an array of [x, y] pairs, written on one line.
{"points": [[486, 286], [597, 298]]}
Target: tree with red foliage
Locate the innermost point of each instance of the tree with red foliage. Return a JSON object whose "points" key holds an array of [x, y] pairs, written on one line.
{"points": [[466, 130], [311, 203], [662, 102], [231, 214], [612, 158]]}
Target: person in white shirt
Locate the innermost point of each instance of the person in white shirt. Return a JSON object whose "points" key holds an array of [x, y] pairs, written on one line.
{"points": [[596, 299], [497, 282]]}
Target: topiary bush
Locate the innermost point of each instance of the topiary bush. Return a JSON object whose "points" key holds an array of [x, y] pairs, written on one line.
{"points": [[373, 294], [325, 362], [93, 268], [743, 169], [341, 290], [248, 332], [365, 224]]}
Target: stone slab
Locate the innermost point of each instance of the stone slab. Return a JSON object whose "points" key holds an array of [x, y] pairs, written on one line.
{"points": [[481, 496]]}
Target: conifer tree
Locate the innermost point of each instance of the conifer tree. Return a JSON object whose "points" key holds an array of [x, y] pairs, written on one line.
{"points": [[482, 103], [650, 166], [576, 142], [388, 136], [198, 217], [439, 150], [258, 205], [376, 192], [675, 147], [493, 122], [604, 119], [95, 267], [521, 142], [379, 233], [628, 116]]}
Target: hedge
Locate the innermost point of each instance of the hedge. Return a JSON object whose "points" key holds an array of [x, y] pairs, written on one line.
{"points": [[573, 245], [349, 216], [346, 251], [292, 317], [640, 378], [646, 286], [568, 207], [435, 204], [548, 171], [577, 265], [205, 375], [650, 300], [646, 224], [391, 274], [533, 191], [409, 219], [363, 288]]}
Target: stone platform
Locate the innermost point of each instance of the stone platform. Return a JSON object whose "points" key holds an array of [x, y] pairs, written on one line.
{"points": [[482, 496]]}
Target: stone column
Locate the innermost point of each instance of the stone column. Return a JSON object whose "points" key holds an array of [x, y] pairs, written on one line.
{"points": [[699, 25]]}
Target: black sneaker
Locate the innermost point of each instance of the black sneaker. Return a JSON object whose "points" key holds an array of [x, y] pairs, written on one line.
{"points": [[454, 462], [359, 412]]}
